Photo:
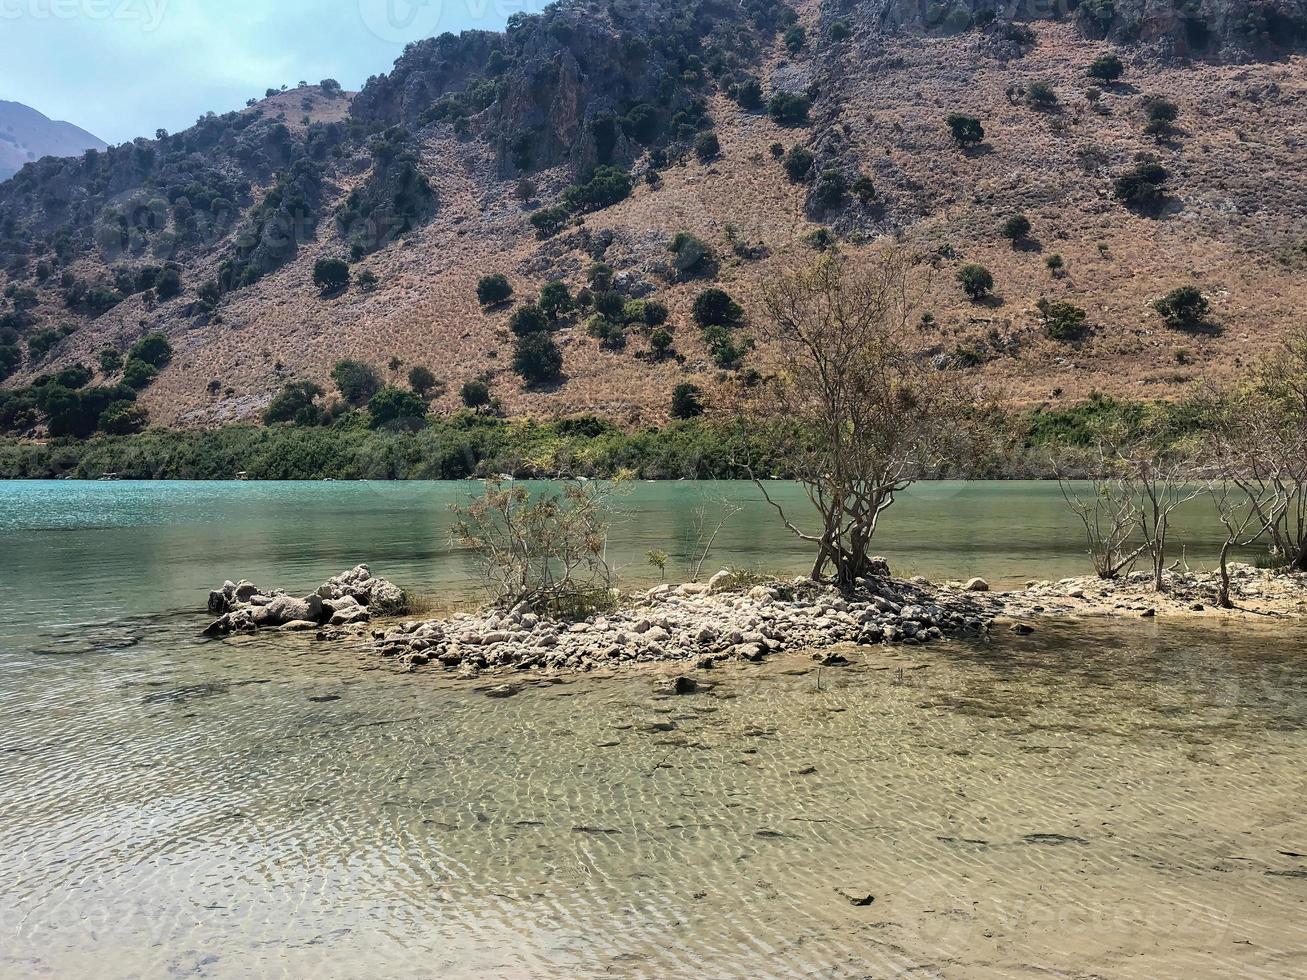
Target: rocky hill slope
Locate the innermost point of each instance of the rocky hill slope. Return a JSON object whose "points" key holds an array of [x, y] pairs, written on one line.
{"points": [[27, 135], [430, 179]]}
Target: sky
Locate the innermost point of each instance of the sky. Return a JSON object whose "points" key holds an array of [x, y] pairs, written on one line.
{"points": [[124, 68]]}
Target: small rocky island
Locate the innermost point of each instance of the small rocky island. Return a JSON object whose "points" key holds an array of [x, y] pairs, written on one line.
{"points": [[699, 625]]}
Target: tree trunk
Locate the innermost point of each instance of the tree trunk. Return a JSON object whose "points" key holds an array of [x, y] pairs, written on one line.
{"points": [[1223, 600]]}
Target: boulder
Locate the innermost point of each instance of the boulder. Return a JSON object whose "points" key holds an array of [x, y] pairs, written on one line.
{"points": [[878, 567], [723, 581], [977, 585], [284, 609]]}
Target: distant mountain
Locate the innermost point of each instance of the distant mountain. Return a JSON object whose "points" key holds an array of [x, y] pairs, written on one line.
{"points": [[27, 135]]}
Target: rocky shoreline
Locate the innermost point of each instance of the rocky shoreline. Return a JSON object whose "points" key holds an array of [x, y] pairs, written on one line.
{"points": [[698, 626]]}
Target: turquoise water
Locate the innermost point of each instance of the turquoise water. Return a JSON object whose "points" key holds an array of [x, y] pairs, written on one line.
{"points": [[1107, 799], [96, 553]]}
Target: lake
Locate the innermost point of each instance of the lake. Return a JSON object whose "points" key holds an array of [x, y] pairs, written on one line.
{"points": [[1106, 798]]}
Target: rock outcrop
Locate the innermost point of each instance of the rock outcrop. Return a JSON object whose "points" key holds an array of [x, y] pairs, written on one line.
{"points": [[349, 599]]}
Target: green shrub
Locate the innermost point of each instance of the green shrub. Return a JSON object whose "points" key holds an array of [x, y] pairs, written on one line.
{"points": [[976, 280], [537, 359], [1062, 321], [77, 376], [1016, 227], [153, 349], [797, 163], [1106, 68], [610, 304], [296, 402], [138, 375], [395, 408], [528, 319], [555, 299], [494, 289], [331, 275], [830, 189], [122, 418], [687, 401], [647, 312], [795, 38], [707, 147], [423, 381], [606, 187], [691, 256], [475, 394], [1144, 185], [1055, 264], [41, 343], [715, 308], [821, 239], [788, 109], [1041, 96], [548, 222], [865, 189], [726, 348], [748, 94], [356, 381], [660, 344], [840, 30], [966, 130], [1184, 308]]}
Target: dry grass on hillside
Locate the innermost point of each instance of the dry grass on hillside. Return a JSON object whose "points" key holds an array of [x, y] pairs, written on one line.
{"points": [[1240, 210]]}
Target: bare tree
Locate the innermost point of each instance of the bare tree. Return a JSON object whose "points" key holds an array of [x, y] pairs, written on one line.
{"points": [[1259, 439], [1165, 485], [1246, 521], [860, 412], [707, 531], [1109, 513]]}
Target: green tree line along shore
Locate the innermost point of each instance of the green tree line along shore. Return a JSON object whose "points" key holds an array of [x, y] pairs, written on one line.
{"points": [[1032, 444]]}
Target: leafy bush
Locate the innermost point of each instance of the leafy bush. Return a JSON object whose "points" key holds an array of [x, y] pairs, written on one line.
{"points": [[1144, 185], [1162, 114], [830, 189], [691, 256], [1106, 68], [1055, 264], [748, 94], [976, 280], [606, 187], [528, 319], [395, 408], [537, 359], [41, 343], [1062, 321], [1041, 96], [296, 402], [475, 394], [840, 30], [139, 375], [647, 312], [1184, 308], [661, 344], [1016, 227], [331, 275], [169, 283], [715, 308], [788, 109], [550, 221], [725, 347], [821, 239], [122, 418], [77, 376], [865, 189], [795, 38], [154, 349], [687, 401], [356, 381], [555, 299], [611, 335], [423, 382], [797, 163], [966, 130], [707, 146]]}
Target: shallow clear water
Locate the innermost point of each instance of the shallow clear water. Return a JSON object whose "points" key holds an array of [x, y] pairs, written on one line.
{"points": [[1105, 799]]}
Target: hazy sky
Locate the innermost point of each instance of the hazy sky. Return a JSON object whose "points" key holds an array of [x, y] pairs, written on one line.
{"points": [[124, 68]]}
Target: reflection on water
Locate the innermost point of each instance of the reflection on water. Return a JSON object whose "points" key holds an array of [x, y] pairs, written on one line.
{"points": [[1109, 800], [1106, 799]]}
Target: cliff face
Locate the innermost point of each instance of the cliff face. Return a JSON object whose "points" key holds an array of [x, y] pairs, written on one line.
{"points": [[1226, 30], [27, 135], [418, 181]]}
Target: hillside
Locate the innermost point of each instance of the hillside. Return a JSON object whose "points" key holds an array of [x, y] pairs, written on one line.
{"points": [[417, 179], [27, 135]]}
